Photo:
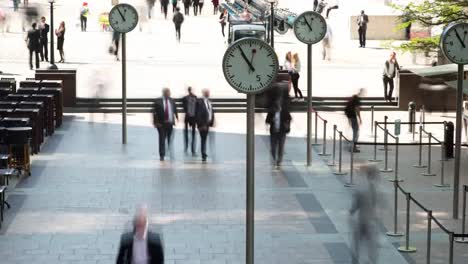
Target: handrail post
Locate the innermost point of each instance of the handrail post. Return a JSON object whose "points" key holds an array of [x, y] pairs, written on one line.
{"points": [[395, 232], [372, 120], [419, 165], [340, 156], [462, 239], [316, 130], [429, 155], [397, 157], [351, 169], [324, 149], [451, 248], [429, 237], [406, 248], [375, 143], [442, 184], [332, 164], [386, 169], [385, 147]]}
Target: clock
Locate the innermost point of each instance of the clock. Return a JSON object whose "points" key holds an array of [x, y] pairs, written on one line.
{"points": [[310, 27], [250, 65], [123, 18], [454, 43]]}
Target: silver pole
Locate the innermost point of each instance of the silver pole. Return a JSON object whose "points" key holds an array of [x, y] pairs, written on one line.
{"points": [[386, 169], [419, 165], [397, 156], [316, 129], [456, 177], [340, 156], [395, 232], [324, 149], [451, 248], [372, 120], [429, 155], [334, 147], [462, 239], [375, 142], [124, 90], [442, 168], [406, 247], [309, 104], [351, 169], [250, 184], [429, 235]]}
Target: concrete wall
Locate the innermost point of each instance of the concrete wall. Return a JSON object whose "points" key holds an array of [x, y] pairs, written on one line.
{"points": [[383, 27]]}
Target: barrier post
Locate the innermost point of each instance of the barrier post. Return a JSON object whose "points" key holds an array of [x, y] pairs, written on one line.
{"points": [[376, 124], [385, 147], [462, 239], [419, 165], [423, 117], [332, 163], [316, 130], [340, 156], [324, 150], [429, 151], [351, 169], [406, 248], [395, 232], [386, 169], [429, 237], [397, 157], [372, 121], [451, 248], [442, 184]]}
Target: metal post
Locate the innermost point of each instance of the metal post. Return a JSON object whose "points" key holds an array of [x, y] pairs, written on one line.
{"points": [[324, 149], [375, 143], [386, 169], [451, 248], [397, 156], [462, 239], [385, 147], [429, 237], [456, 177], [334, 148], [429, 151], [423, 117], [372, 120], [419, 165], [442, 168], [351, 168], [309, 103], [272, 27], [395, 232], [250, 219], [406, 248], [124, 89], [316, 130], [340, 156], [52, 65]]}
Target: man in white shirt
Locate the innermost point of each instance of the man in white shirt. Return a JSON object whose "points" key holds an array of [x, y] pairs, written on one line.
{"points": [[205, 119]]}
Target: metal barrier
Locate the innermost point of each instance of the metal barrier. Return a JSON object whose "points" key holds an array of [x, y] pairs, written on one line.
{"points": [[429, 153], [419, 165], [385, 147], [462, 239], [332, 163], [376, 124], [316, 129], [324, 145], [372, 121], [340, 155]]}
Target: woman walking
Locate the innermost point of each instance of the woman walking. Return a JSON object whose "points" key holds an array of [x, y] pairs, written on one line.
{"points": [[295, 69], [222, 20], [60, 33]]}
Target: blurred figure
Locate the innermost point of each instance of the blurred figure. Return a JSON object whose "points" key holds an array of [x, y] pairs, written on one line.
{"points": [[164, 7], [3, 20], [150, 5], [327, 43], [295, 69], [115, 43], [84, 12], [315, 5], [178, 19], [321, 6], [190, 106], [200, 6], [215, 6], [30, 15], [44, 31], [205, 119], [100, 81], [140, 246], [60, 33], [164, 118], [246, 16], [195, 4], [222, 20], [279, 120], [353, 113], [187, 4], [333, 4], [16, 5], [174, 6], [366, 200], [288, 66], [465, 116], [33, 45], [362, 21], [104, 21], [390, 70]]}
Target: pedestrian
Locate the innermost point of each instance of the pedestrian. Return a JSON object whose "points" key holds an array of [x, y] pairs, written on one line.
{"points": [[164, 7], [321, 6], [353, 113], [187, 4], [362, 22], [205, 120], [246, 16], [327, 43], [287, 66], [16, 5], [333, 4], [174, 5], [195, 4], [390, 70], [44, 31], [32, 40], [141, 246], [164, 118], [465, 116], [222, 20], [200, 6], [295, 69], [115, 42], [189, 103], [60, 33], [279, 119], [215, 6], [407, 20], [315, 5], [84, 12], [150, 5], [178, 19], [3, 21]]}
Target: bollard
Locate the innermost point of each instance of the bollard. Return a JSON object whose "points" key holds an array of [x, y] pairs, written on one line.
{"points": [[324, 150], [406, 248], [316, 130], [351, 169], [395, 232], [462, 239], [429, 235], [385, 147], [375, 143], [423, 117], [451, 248], [411, 117], [386, 169], [419, 165], [429, 151], [442, 184], [332, 164], [340, 156], [397, 156], [372, 121]]}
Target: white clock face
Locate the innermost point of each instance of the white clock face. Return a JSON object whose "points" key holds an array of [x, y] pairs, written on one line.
{"points": [[250, 65], [310, 27], [123, 18], [454, 42]]}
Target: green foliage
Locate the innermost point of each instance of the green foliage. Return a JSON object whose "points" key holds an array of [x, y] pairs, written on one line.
{"points": [[430, 44]]}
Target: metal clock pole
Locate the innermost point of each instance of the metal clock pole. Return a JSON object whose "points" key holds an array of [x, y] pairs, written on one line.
{"points": [[309, 104], [250, 184], [124, 90], [456, 178]]}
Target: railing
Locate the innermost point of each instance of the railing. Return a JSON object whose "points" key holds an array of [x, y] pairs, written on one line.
{"points": [[316, 143]]}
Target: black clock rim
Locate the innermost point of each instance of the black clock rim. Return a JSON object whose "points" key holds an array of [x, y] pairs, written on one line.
{"points": [[321, 18], [129, 6], [232, 84], [442, 41]]}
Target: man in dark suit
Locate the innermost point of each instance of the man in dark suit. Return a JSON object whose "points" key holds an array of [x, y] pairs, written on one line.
{"points": [[43, 41], [362, 21], [205, 120], [190, 106], [164, 118], [140, 246], [279, 120], [33, 45]]}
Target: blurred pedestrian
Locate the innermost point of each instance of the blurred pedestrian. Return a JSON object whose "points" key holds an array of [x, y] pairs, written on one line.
{"points": [[187, 4], [44, 32], [287, 66], [279, 120], [32, 40], [200, 6], [246, 16], [16, 5], [178, 19], [60, 33], [115, 43], [295, 69], [174, 5], [321, 6], [3, 20], [333, 4], [205, 119], [362, 21], [327, 43], [190, 106], [315, 5], [465, 116], [353, 113], [215, 6], [31, 14], [140, 246], [164, 118], [390, 70], [150, 5], [164, 7], [84, 12], [222, 20], [195, 4]]}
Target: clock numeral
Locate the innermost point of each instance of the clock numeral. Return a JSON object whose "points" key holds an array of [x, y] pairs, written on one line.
{"points": [[258, 78]]}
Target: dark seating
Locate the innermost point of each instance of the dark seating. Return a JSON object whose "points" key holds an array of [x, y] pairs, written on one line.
{"points": [[5, 174], [18, 144], [30, 91], [2, 201], [18, 97], [48, 101], [58, 103]]}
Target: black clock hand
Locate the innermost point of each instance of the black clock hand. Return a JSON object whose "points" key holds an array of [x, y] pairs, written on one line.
{"points": [[120, 12], [464, 36], [308, 25], [246, 60], [252, 57], [459, 38]]}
